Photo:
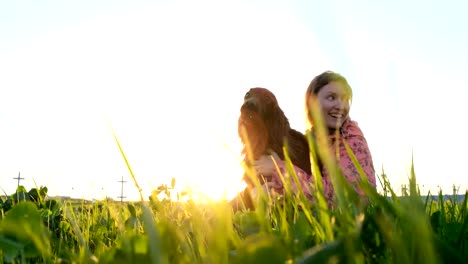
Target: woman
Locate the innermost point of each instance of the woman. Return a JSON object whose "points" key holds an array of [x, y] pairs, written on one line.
{"points": [[331, 94]]}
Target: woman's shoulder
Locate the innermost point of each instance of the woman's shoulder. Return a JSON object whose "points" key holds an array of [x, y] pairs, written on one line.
{"points": [[350, 128]]}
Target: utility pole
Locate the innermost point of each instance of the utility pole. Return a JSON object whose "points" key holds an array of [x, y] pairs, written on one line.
{"points": [[121, 191], [455, 192], [18, 178], [404, 190]]}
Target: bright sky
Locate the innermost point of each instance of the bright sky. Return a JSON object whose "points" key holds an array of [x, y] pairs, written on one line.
{"points": [[169, 76]]}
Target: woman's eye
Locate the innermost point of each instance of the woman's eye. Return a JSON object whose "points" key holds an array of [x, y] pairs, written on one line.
{"points": [[331, 97]]}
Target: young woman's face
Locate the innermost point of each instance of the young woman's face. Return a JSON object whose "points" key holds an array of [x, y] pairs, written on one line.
{"points": [[335, 102]]}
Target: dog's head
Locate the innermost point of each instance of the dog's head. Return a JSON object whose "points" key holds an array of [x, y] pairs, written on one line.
{"points": [[260, 101], [262, 123]]}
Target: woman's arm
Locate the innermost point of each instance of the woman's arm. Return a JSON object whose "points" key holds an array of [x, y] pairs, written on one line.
{"points": [[266, 165], [360, 149]]}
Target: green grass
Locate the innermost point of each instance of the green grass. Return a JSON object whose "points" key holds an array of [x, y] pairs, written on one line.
{"points": [[283, 229], [389, 230]]}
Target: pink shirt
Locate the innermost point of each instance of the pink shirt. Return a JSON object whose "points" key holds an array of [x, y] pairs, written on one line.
{"points": [[352, 134]]}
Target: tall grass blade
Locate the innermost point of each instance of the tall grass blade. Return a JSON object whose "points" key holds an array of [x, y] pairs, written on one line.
{"points": [[329, 161], [323, 210], [84, 248], [464, 220], [261, 199], [148, 222]]}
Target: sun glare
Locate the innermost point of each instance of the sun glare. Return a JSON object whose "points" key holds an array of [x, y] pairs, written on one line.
{"points": [[220, 179]]}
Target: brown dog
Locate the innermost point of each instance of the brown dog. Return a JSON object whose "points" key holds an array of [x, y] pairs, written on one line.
{"points": [[266, 129]]}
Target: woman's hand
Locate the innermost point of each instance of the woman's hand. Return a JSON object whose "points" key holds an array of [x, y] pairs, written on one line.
{"points": [[265, 165]]}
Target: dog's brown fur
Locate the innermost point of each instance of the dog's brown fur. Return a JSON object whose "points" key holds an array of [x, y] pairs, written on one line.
{"points": [[267, 128]]}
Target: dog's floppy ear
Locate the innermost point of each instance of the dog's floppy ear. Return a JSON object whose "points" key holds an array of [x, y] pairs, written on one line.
{"points": [[299, 150], [253, 133], [278, 129]]}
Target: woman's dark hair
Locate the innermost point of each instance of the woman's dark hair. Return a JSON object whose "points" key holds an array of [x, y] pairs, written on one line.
{"points": [[325, 78], [319, 82]]}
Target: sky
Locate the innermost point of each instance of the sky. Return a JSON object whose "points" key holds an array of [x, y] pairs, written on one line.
{"points": [[168, 77]]}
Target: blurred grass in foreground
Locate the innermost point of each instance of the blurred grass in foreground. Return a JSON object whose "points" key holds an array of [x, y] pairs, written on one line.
{"points": [[283, 229]]}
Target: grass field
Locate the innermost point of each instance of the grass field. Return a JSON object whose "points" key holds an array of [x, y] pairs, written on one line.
{"points": [[284, 228]]}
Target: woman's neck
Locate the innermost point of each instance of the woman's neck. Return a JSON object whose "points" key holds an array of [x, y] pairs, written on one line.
{"points": [[332, 131]]}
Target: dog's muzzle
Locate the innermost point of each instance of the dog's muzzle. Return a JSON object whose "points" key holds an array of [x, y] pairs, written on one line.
{"points": [[249, 104]]}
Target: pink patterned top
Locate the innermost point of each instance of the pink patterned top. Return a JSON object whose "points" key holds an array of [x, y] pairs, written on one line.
{"points": [[352, 134]]}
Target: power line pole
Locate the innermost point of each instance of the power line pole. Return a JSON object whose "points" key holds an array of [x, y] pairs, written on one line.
{"points": [[18, 178], [404, 190], [455, 190], [121, 191]]}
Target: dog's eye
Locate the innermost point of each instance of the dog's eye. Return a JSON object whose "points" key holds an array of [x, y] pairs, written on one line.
{"points": [[247, 95]]}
